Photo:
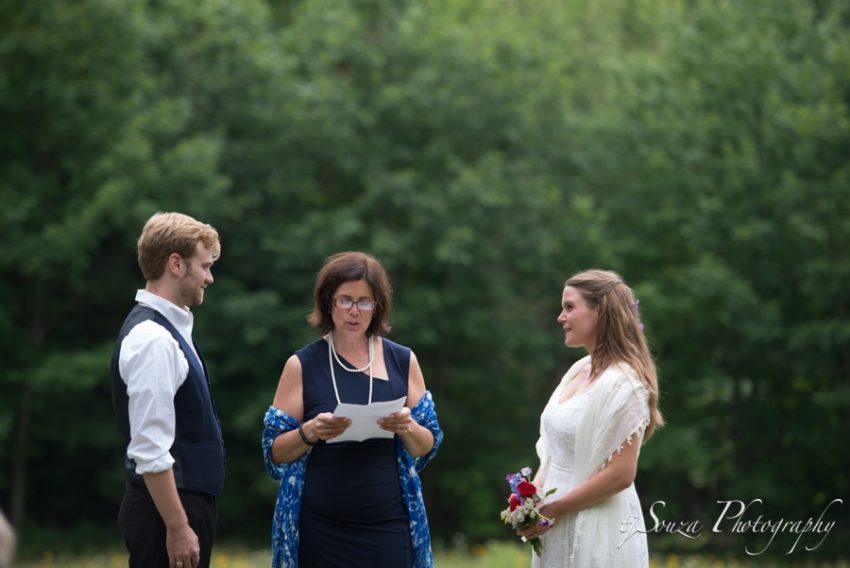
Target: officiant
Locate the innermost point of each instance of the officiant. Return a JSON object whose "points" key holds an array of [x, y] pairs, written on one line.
{"points": [[350, 503]]}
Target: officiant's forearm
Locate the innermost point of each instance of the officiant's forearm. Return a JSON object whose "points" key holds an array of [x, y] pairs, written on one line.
{"points": [[418, 440], [288, 447]]}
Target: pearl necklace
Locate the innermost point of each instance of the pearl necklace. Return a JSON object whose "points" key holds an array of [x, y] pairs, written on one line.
{"points": [[332, 355]]}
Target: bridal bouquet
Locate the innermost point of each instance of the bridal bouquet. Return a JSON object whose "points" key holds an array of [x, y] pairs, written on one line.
{"points": [[522, 509]]}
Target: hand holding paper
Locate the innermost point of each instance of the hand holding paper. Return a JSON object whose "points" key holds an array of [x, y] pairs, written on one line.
{"points": [[364, 419], [399, 422]]}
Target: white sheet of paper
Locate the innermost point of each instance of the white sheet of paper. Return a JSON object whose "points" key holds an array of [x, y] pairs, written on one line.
{"points": [[364, 419]]}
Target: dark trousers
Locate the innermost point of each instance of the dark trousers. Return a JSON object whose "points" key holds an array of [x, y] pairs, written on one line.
{"points": [[144, 532]]}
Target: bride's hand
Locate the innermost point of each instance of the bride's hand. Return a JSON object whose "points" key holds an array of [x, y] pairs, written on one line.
{"points": [[548, 511], [535, 530], [543, 525]]}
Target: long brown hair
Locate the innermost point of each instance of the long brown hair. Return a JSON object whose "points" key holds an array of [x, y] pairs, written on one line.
{"points": [[619, 337]]}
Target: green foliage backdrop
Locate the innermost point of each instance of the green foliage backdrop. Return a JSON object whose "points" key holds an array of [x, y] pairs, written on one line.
{"points": [[483, 151]]}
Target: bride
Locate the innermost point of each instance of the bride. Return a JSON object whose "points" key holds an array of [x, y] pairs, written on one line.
{"points": [[591, 431]]}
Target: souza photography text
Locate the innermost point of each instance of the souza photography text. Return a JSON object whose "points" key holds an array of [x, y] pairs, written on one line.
{"points": [[741, 518]]}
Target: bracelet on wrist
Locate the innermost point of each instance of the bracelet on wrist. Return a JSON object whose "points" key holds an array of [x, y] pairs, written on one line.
{"points": [[304, 436]]}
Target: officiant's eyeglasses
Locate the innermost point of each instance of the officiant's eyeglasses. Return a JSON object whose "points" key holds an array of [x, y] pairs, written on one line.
{"points": [[347, 303]]}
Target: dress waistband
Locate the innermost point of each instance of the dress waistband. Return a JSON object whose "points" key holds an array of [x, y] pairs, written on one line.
{"points": [[561, 468]]}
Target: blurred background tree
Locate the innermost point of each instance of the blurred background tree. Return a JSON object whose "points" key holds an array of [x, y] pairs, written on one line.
{"points": [[484, 151]]}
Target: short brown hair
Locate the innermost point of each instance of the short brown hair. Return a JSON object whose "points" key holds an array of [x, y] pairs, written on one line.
{"points": [[347, 267], [167, 233]]}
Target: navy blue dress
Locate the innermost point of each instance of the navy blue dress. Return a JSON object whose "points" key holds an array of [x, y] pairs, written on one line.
{"points": [[352, 514]]}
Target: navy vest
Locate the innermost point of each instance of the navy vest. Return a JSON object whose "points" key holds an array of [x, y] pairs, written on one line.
{"points": [[198, 449]]}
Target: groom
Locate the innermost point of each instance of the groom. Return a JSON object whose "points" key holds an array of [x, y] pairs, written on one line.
{"points": [[163, 405]]}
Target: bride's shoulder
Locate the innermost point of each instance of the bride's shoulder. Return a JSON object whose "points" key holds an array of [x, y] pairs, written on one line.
{"points": [[574, 370], [624, 375], [577, 366]]}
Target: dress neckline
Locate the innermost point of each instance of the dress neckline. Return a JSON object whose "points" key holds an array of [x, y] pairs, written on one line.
{"points": [[383, 356], [577, 394]]}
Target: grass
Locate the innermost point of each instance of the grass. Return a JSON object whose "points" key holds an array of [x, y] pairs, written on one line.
{"points": [[494, 555]]}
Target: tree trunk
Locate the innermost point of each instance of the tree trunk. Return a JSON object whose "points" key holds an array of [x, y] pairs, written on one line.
{"points": [[20, 469], [19, 458]]}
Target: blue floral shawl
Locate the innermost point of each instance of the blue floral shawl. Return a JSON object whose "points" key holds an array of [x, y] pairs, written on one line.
{"points": [[291, 476]]}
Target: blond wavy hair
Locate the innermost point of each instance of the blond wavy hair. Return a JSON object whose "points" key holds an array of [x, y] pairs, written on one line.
{"points": [[167, 233], [619, 333]]}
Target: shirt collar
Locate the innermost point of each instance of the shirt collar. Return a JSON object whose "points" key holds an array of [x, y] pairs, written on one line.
{"points": [[181, 318]]}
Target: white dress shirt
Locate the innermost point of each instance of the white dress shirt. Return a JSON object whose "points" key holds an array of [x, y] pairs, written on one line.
{"points": [[153, 366]]}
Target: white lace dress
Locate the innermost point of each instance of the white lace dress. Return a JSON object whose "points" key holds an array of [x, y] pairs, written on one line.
{"points": [[608, 534]]}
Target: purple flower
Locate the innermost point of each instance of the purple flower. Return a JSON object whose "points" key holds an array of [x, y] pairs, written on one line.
{"points": [[636, 308], [513, 480]]}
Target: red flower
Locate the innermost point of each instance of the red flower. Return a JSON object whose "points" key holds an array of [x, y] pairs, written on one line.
{"points": [[526, 489], [514, 501]]}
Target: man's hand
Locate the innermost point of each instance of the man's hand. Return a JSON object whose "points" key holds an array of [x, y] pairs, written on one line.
{"points": [[181, 542]]}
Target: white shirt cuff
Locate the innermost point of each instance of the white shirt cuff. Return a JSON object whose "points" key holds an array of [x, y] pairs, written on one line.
{"points": [[160, 464]]}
